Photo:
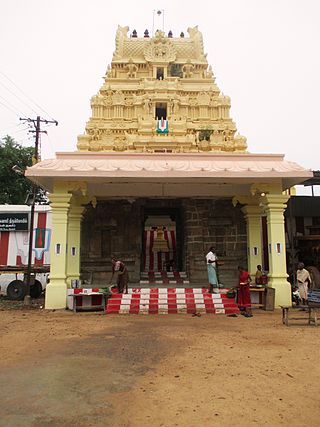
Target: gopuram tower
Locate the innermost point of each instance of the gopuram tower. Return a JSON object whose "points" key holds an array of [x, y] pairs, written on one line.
{"points": [[160, 96]]}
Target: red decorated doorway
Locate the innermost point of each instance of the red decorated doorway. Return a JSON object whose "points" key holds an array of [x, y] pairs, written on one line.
{"points": [[162, 235]]}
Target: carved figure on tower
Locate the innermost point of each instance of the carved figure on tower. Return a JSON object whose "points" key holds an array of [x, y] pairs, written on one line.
{"points": [[187, 69], [132, 69]]}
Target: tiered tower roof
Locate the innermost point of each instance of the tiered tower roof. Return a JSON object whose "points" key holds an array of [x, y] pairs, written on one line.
{"points": [[160, 95]]}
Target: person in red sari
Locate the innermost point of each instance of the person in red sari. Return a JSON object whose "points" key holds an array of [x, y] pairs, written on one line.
{"points": [[244, 300]]}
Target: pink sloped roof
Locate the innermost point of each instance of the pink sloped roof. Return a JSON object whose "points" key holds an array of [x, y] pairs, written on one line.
{"points": [[86, 165]]}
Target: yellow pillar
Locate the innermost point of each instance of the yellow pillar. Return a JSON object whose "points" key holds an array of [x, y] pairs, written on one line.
{"points": [[73, 235], [275, 205], [56, 290], [252, 214]]}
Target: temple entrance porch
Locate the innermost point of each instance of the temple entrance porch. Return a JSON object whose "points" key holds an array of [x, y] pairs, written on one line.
{"points": [[162, 241], [99, 204]]}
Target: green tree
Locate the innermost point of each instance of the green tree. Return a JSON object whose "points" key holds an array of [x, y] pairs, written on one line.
{"points": [[14, 188]]}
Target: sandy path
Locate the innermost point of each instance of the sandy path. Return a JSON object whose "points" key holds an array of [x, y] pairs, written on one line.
{"points": [[88, 369]]}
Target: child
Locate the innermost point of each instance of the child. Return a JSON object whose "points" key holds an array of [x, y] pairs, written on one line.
{"points": [[259, 274]]}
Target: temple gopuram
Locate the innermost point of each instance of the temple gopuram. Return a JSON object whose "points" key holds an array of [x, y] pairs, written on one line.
{"points": [[160, 174]]}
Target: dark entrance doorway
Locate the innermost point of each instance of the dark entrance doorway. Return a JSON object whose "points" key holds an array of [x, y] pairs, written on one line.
{"points": [[161, 110], [163, 240]]}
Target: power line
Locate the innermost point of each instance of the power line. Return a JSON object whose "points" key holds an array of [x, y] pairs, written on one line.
{"points": [[50, 143], [23, 130], [10, 128], [27, 96], [5, 133], [37, 131], [11, 105], [10, 109], [20, 99], [24, 142]]}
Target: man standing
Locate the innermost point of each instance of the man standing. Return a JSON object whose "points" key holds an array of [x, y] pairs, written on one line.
{"points": [[304, 280], [211, 259]]}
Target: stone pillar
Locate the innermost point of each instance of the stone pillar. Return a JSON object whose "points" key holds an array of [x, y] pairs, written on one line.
{"points": [[57, 288], [275, 205], [73, 237], [252, 214]]}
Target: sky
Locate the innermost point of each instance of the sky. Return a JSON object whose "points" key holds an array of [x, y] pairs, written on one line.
{"points": [[264, 55]]}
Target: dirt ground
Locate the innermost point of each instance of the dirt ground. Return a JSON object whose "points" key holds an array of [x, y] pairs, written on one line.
{"points": [[88, 369]]}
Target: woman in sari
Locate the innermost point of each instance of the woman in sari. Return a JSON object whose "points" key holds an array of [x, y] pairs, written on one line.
{"points": [[244, 300]]}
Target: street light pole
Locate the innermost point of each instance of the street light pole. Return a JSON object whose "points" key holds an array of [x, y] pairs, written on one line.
{"points": [[37, 123], [27, 297]]}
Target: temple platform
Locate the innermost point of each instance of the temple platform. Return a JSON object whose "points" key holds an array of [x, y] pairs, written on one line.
{"points": [[171, 301], [167, 278]]}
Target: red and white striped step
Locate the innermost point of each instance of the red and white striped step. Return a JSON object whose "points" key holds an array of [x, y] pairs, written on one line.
{"points": [[164, 278], [171, 301], [92, 298]]}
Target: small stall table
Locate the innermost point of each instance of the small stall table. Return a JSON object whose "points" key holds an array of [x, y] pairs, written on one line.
{"points": [[262, 297], [83, 301]]}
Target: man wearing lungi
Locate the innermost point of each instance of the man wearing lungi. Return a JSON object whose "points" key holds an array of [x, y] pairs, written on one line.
{"points": [[212, 259]]}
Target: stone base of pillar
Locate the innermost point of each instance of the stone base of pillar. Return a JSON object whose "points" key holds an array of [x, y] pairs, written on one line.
{"points": [[282, 290], [56, 294]]}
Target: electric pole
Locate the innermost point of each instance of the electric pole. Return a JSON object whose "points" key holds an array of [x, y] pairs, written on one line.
{"points": [[37, 130]]}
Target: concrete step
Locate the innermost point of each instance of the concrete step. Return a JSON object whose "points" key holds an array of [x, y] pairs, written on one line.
{"points": [[170, 301], [163, 278]]}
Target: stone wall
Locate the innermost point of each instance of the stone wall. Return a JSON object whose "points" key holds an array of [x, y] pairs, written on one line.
{"points": [[214, 223], [112, 228], [116, 227]]}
